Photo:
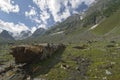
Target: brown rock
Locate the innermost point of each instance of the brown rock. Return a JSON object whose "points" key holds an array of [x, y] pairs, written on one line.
{"points": [[33, 53]]}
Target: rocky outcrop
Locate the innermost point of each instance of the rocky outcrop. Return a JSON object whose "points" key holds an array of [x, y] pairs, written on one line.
{"points": [[33, 53]]}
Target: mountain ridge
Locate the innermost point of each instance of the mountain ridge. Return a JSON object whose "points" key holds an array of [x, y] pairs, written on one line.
{"points": [[75, 28]]}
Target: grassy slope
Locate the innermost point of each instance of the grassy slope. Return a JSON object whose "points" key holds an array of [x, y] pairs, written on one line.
{"points": [[109, 25], [5, 57], [100, 57]]}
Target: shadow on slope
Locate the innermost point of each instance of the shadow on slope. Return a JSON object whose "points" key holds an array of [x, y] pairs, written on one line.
{"points": [[45, 66]]}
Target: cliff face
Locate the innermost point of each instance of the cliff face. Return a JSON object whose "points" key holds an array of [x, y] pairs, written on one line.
{"points": [[33, 53]]}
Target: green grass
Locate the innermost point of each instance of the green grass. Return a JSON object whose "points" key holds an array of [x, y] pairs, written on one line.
{"points": [[108, 25], [98, 58], [5, 57], [97, 53]]}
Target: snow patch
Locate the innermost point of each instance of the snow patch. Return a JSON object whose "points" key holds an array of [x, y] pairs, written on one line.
{"points": [[93, 27], [1, 30], [60, 32]]}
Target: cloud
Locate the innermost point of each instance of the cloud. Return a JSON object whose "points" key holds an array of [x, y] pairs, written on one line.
{"points": [[14, 28], [44, 16], [59, 9], [42, 26], [33, 29], [7, 6], [32, 12]]}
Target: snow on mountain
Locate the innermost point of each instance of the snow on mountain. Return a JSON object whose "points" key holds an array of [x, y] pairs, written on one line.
{"points": [[23, 35]]}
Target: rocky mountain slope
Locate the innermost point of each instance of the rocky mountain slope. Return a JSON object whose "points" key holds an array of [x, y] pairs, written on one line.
{"points": [[23, 35], [75, 28], [5, 35], [92, 47], [38, 32]]}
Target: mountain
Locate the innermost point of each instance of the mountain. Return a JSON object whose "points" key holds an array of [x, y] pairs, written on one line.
{"points": [[38, 32], [81, 26], [96, 20], [23, 35], [5, 35], [68, 24], [92, 45], [110, 26]]}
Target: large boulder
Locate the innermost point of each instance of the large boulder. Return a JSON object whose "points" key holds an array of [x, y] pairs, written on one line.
{"points": [[33, 53]]}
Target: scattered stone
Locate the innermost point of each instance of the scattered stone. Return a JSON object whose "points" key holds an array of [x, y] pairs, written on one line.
{"points": [[28, 77], [116, 45], [104, 78], [113, 63], [107, 66], [82, 65], [108, 72], [64, 66]]}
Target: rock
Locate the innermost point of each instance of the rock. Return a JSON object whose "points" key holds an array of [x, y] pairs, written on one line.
{"points": [[108, 72], [28, 77], [104, 78], [82, 65], [64, 66], [33, 53]]}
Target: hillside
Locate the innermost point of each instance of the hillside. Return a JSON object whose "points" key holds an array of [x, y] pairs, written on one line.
{"points": [[90, 48], [109, 26], [74, 29], [5, 37]]}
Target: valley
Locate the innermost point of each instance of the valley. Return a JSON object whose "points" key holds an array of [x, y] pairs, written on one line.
{"points": [[84, 46], [95, 60]]}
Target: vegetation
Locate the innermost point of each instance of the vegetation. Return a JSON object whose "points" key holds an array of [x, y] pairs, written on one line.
{"points": [[91, 63], [109, 25], [90, 54]]}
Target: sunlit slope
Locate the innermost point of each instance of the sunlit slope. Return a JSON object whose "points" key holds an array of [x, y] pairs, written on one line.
{"points": [[109, 26]]}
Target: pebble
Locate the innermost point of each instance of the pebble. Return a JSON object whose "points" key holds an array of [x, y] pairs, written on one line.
{"points": [[108, 72], [104, 78]]}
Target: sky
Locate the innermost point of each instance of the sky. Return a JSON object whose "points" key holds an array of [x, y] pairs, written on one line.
{"points": [[20, 15]]}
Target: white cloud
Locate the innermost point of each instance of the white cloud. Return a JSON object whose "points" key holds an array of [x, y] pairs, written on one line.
{"points": [[32, 12], [36, 20], [44, 16], [33, 29], [54, 7], [42, 26], [7, 6], [14, 28]]}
